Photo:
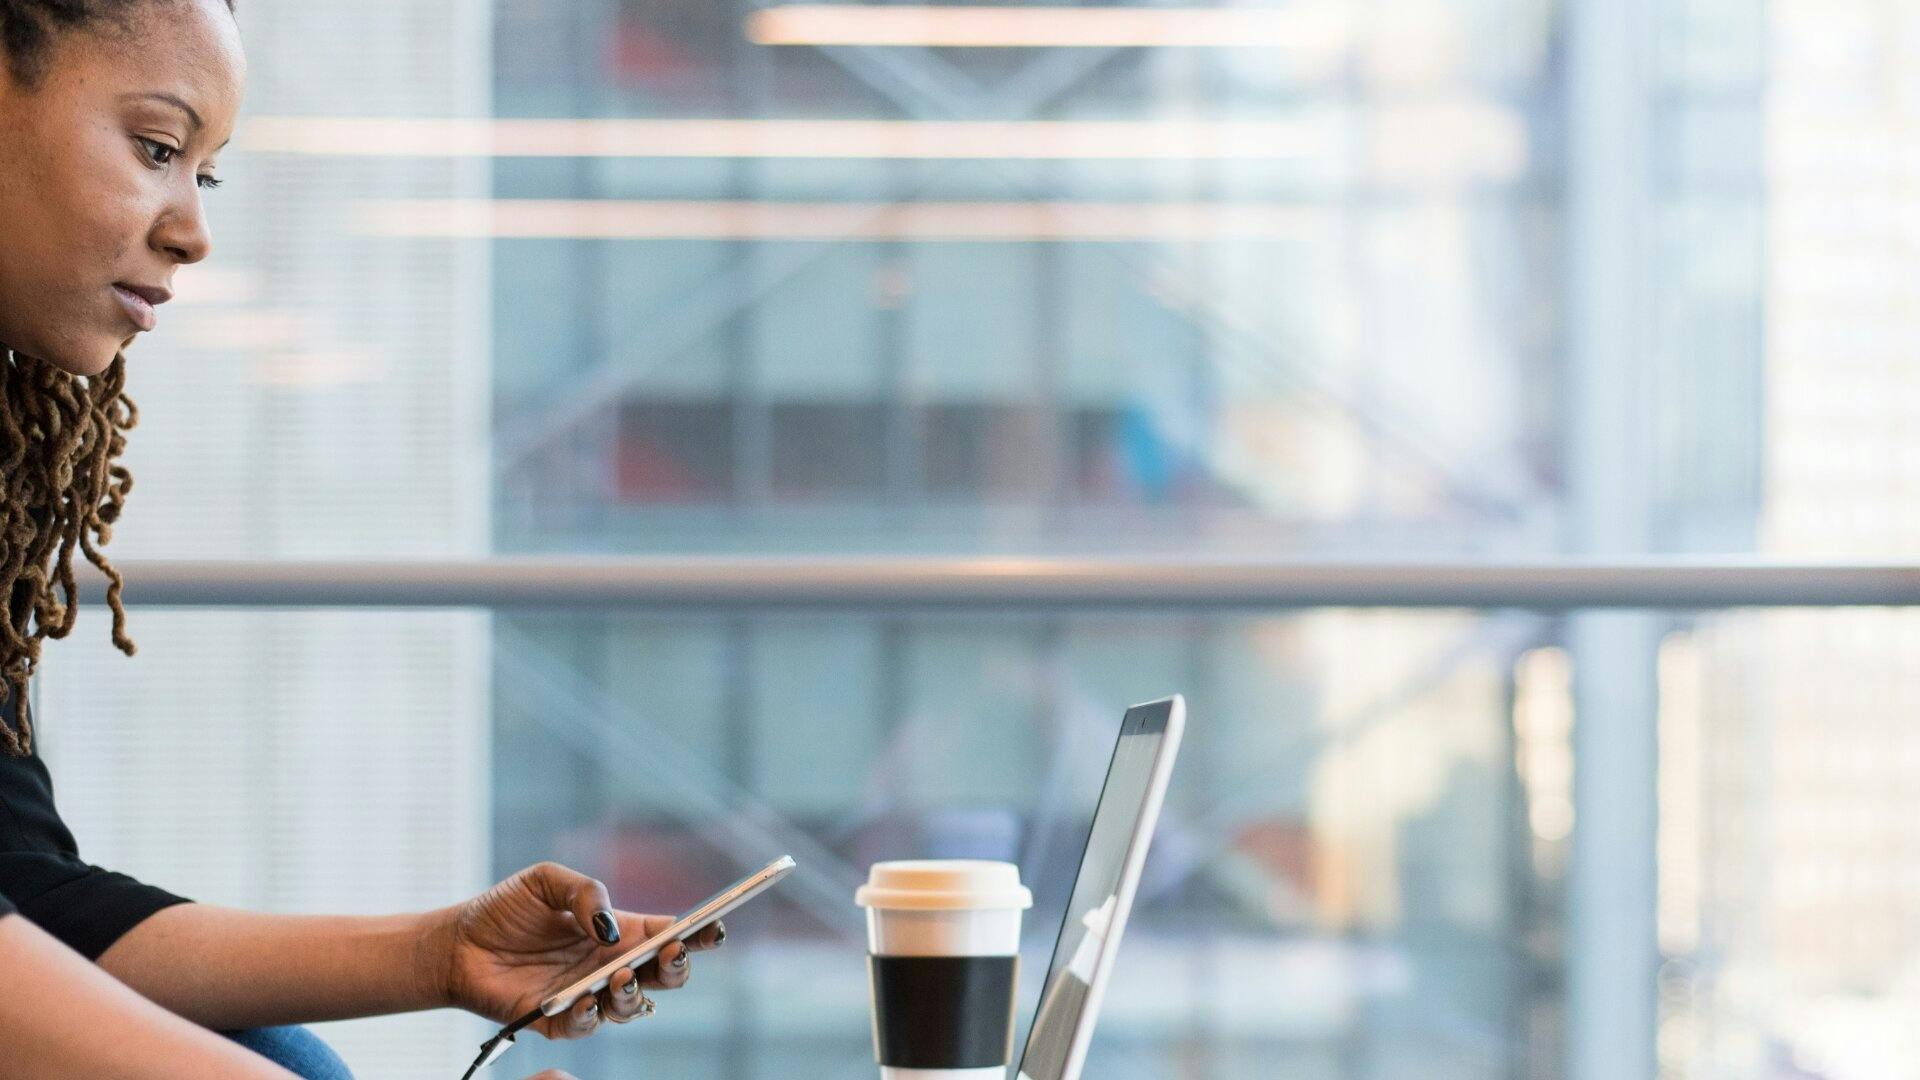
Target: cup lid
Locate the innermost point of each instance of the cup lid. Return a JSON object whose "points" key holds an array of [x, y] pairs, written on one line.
{"points": [[944, 885]]}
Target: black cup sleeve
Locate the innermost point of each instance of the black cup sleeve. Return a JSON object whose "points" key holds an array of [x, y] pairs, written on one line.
{"points": [[943, 1012]]}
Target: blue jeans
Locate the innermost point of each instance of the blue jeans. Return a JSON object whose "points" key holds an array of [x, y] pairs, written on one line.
{"points": [[296, 1050]]}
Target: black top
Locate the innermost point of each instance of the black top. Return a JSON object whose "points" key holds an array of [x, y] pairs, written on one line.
{"points": [[42, 876]]}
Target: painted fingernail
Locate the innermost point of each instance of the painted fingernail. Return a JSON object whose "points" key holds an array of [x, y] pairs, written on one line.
{"points": [[680, 961], [633, 985], [719, 932], [593, 1007], [608, 930]]}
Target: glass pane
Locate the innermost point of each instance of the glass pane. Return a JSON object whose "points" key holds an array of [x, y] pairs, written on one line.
{"points": [[981, 298], [1787, 907]]}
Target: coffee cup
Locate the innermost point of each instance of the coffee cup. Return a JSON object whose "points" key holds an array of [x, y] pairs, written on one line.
{"points": [[943, 939]]}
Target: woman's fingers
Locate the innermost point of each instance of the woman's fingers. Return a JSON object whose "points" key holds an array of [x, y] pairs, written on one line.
{"points": [[583, 1019], [709, 938], [639, 928], [584, 898], [623, 999], [669, 970], [579, 1021], [587, 900], [659, 973]]}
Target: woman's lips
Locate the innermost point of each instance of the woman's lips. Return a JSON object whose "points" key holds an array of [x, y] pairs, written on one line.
{"points": [[137, 308]]}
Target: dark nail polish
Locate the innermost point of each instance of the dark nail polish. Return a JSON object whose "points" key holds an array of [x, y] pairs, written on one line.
{"points": [[633, 985], [604, 925], [719, 933], [680, 961]]}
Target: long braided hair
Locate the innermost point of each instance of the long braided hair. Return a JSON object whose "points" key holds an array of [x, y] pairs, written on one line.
{"points": [[60, 438], [60, 435]]}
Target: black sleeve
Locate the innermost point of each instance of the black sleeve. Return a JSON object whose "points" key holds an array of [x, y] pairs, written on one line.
{"points": [[6, 908], [43, 877], [83, 906]]}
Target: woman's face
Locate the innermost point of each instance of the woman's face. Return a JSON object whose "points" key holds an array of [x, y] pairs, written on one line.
{"points": [[101, 171]]}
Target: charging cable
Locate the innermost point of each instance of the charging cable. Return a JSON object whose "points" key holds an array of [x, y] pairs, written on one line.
{"points": [[492, 1050]]}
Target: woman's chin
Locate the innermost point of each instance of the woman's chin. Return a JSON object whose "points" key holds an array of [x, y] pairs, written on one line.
{"points": [[83, 359]]}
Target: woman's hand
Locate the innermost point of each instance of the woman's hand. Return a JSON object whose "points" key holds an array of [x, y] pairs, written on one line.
{"points": [[503, 952]]}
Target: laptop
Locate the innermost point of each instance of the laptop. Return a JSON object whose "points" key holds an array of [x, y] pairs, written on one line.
{"points": [[1096, 916]]}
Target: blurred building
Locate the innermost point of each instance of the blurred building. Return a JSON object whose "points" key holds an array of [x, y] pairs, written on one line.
{"points": [[1807, 933]]}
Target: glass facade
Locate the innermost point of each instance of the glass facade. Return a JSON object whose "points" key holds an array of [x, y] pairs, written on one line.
{"points": [[1292, 299], [1344, 873]]}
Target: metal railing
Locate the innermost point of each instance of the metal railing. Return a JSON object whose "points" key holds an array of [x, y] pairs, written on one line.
{"points": [[1002, 583]]}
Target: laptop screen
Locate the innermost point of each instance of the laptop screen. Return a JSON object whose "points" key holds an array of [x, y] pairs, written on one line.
{"points": [[1090, 913]]}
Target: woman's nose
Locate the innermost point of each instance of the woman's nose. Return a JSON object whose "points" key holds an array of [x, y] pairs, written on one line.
{"points": [[182, 234]]}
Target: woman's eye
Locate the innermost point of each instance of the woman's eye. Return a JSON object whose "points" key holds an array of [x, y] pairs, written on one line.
{"points": [[158, 153]]}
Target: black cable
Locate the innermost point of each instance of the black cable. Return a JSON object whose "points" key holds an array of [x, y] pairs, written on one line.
{"points": [[491, 1050]]}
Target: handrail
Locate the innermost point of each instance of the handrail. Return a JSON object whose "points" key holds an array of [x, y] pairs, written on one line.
{"points": [[1011, 584]]}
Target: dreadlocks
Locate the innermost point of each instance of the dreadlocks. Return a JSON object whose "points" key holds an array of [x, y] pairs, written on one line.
{"points": [[60, 488]]}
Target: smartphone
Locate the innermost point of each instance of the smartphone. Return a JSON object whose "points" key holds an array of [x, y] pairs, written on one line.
{"points": [[684, 927]]}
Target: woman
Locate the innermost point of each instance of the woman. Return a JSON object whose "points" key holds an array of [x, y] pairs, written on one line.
{"points": [[112, 113]]}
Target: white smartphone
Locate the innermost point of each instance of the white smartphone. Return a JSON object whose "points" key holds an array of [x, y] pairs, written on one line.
{"points": [[684, 927]]}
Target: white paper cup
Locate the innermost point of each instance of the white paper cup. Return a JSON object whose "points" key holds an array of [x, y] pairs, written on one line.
{"points": [[944, 945]]}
